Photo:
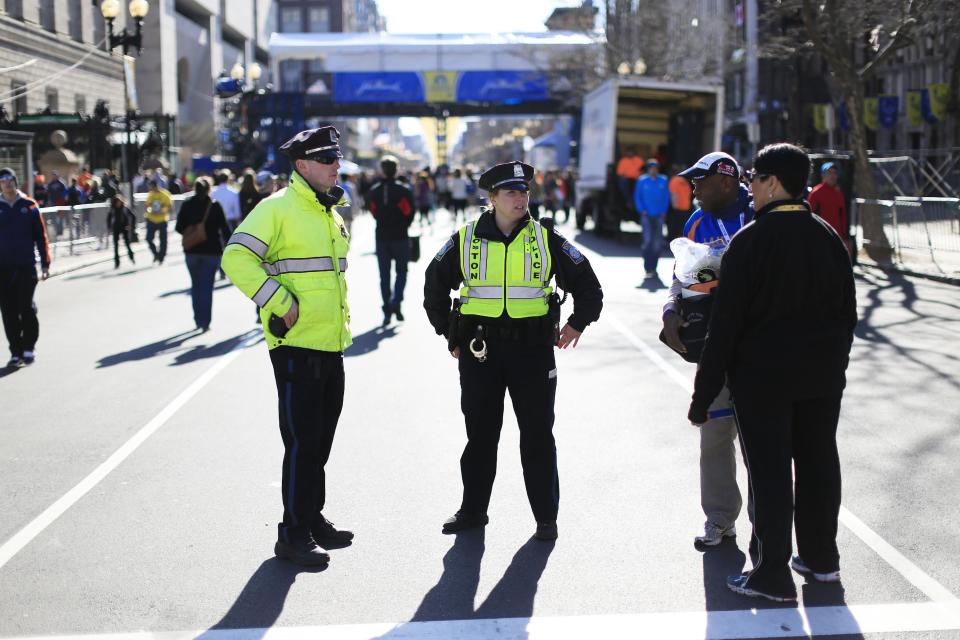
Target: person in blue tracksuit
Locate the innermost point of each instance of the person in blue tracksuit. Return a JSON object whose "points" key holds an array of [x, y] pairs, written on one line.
{"points": [[23, 235], [651, 197], [725, 207]]}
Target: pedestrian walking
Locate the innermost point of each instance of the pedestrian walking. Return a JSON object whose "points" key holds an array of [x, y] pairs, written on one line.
{"points": [[423, 190], [205, 231], [23, 237], [158, 206], [458, 196], [725, 207], [120, 221], [250, 196], [786, 296], [651, 198], [228, 198], [827, 201], [502, 330], [391, 205], [289, 256]]}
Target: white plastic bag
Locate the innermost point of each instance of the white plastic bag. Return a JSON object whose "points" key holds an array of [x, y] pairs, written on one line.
{"points": [[696, 262]]}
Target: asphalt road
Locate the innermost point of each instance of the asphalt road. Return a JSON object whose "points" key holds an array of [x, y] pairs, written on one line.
{"points": [[140, 466]]}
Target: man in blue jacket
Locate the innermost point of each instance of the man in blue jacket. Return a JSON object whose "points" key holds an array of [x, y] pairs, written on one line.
{"points": [[725, 207], [651, 197], [22, 236]]}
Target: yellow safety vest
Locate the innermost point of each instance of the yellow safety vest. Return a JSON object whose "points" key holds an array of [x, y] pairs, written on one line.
{"points": [[292, 244], [497, 276]]}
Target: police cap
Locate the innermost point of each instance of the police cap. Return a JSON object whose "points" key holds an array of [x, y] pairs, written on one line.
{"points": [[509, 175], [323, 142]]}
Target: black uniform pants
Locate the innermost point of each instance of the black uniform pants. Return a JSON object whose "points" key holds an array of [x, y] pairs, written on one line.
{"points": [[775, 435], [310, 389], [117, 236], [20, 323], [529, 373]]}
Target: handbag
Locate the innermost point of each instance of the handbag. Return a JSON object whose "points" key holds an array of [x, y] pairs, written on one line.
{"points": [[414, 248], [195, 234]]}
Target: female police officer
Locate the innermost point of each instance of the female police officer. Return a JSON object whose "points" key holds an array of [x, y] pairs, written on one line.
{"points": [[503, 329]]}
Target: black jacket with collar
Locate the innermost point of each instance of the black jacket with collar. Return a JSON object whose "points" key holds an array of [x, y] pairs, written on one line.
{"points": [[572, 269], [783, 319], [391, 204]]}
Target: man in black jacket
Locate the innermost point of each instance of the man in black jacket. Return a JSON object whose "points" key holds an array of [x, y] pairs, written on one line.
{"points": [[391, 204], [780, 332]]}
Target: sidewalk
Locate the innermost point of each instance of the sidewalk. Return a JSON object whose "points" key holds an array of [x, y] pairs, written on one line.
{"points": [[87, 255]]}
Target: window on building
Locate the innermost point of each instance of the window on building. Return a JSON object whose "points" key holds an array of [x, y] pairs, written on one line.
{"points": [[47, 20], [291, 72], [80, 104], [291, 20], [76, 20], [19, 99], [318, 19], [53, 100], [14, 8]]}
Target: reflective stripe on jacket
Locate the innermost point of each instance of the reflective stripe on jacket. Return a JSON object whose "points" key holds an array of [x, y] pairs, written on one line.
{"points": [[292, 244], [496, 275]]}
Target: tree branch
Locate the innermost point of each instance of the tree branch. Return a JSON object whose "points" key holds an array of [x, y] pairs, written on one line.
{"points": [[899, 39]]}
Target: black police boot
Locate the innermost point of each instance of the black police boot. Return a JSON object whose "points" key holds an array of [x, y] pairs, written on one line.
{"points": [[546, 531], [397, 312], [329, 536], [306, 553], [387, 312], [462, 521]]}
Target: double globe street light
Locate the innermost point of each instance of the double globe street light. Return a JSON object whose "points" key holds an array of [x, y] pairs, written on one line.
{"points": [[138, 9]]}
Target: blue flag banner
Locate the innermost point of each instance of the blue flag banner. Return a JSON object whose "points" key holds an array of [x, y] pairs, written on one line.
{"points": [[888, 110], [378, 87], [926, 107], [506, 87], [843, 118]]}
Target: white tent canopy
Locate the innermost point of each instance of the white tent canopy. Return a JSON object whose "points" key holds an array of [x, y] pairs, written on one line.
{"points": [[355, 52]]}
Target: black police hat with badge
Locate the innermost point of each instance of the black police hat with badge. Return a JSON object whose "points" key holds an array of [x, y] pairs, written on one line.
{"points": [[321, 144], [508, 175]]}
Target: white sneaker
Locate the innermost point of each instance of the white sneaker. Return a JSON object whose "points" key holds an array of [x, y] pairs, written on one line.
{"points": [[713, 534], [797, 565], [29, 357]]}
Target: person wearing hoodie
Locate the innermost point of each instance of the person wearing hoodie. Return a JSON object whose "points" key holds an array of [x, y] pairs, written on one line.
{"points": [[725, 207]]}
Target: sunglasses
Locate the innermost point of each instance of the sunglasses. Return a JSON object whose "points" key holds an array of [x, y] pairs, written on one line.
{"points": [[7, 178], [752, 175], [325, 160]]}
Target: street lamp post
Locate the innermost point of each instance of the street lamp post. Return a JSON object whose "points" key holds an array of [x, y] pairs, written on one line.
{"points": [[110, 9]]}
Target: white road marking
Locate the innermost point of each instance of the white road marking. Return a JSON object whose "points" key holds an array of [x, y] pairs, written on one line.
{"points": [[23, 537], [694, 625], [911, 572]]}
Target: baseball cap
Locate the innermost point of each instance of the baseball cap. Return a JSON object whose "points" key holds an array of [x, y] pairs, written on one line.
{"points": [[7, 174], [714, 163], [826, 166]]}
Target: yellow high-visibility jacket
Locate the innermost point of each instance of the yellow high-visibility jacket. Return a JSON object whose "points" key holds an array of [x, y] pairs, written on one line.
{"points": [[292, 244]]}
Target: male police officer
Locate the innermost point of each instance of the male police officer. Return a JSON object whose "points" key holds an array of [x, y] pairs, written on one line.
{"points": [[503, 333], [289, 256]]}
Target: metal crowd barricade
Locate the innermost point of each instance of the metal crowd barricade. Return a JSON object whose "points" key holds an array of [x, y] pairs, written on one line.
{"points": [[84, 227], [924, 233]]}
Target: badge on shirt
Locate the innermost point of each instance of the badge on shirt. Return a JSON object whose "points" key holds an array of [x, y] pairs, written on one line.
{"points": [[572, 252], [343, 232], [444, 249]]}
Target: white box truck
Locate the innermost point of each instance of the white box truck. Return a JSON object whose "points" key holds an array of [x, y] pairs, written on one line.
{"points": [[682, 120]]}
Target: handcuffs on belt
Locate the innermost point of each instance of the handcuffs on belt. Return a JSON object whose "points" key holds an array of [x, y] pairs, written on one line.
{"points": [[480, 351]]}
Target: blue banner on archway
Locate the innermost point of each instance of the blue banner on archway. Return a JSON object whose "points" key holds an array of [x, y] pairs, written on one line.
{"points": [[505, 87]]}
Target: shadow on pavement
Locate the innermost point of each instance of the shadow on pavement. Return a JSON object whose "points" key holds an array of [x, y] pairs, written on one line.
{"points": [[6, 371], [147, 351], [453, 596], [652, 285], [721, 561], [626, 244], [261, 601], [817, 594], [214, 350], [223, 284], [369, 341]]}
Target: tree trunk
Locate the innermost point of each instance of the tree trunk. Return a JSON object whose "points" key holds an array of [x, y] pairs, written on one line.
{"points": [[875, 241]]}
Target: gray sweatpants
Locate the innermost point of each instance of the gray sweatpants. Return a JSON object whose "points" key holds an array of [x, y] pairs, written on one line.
{"points": [[719, 494]]}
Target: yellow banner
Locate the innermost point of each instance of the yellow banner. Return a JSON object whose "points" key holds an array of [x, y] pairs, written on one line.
{"points": [[441, 86], [939, 97], [870, 113], [914, 108], [820, 117]]}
